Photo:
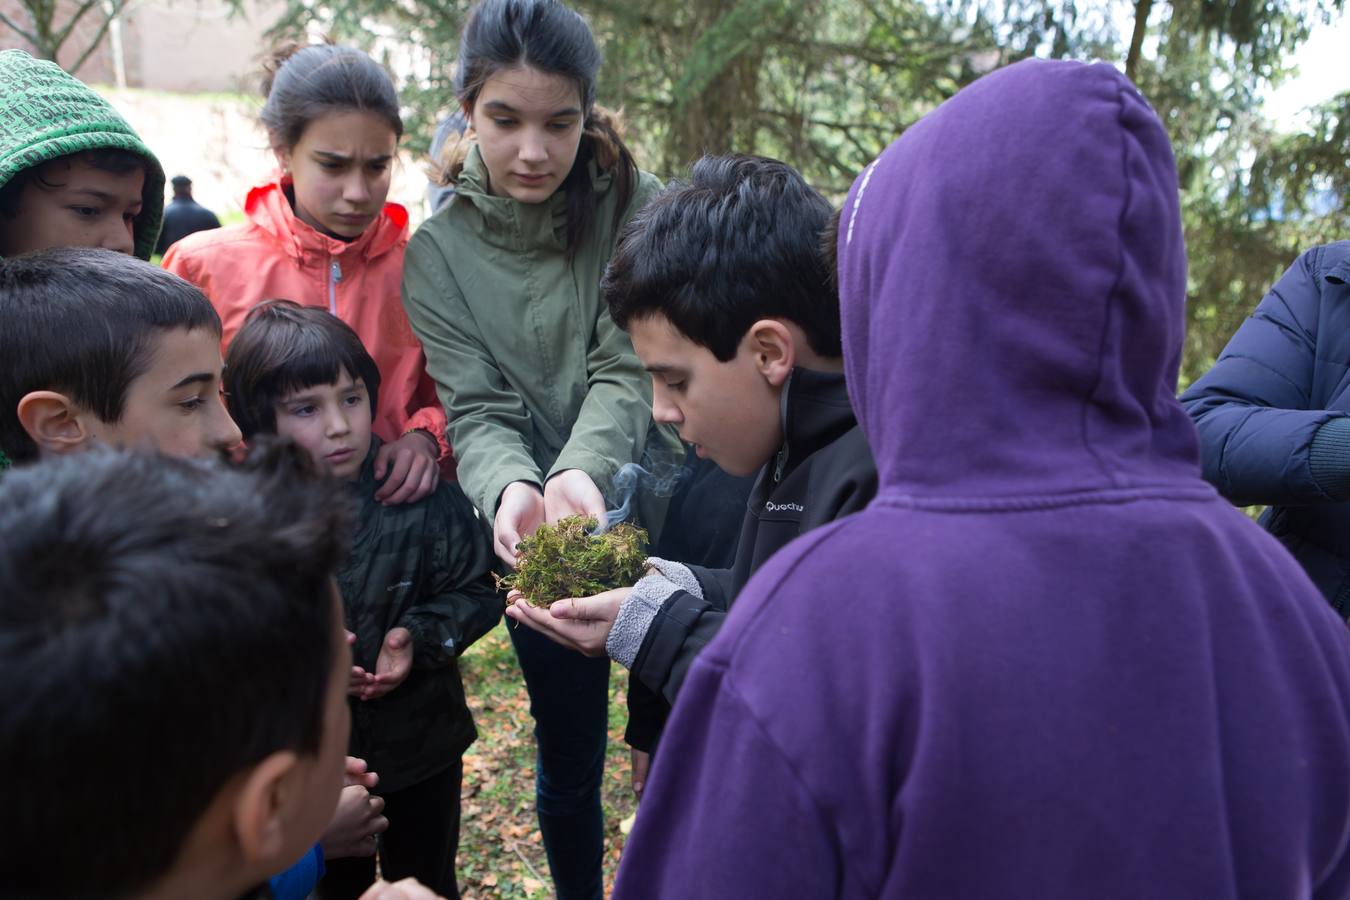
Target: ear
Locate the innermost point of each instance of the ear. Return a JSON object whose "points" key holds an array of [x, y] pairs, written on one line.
{"points": [[774, 350], [263, 807], [54, 422], [283, 155]]}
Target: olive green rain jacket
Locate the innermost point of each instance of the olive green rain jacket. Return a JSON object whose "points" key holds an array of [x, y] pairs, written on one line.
{"points": [[533, 373]]}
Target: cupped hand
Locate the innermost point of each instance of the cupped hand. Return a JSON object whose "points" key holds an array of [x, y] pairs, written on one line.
{"points": [[392, 666], [519, 513], [359, 817], [572, 493], [580, 623]]}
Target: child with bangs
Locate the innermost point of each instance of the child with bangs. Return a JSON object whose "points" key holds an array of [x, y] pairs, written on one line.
{"points": [[416, 591]]}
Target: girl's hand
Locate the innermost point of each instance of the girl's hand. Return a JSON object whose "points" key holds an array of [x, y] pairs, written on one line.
{"points": [[519, 513], [572, 493], [410, 463]]}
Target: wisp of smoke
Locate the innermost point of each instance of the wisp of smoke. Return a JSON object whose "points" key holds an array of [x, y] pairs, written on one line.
{"points": [[661, 480]]}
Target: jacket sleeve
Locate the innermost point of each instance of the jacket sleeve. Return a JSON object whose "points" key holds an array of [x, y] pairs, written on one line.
{"points": [[719, 787], [683, 626], [487, 423], [612, 424], [461, 603], [1253, 410], [425, 412]]}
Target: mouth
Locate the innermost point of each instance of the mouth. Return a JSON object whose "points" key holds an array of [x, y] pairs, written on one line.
{"points": [[340, 456], [352, 218], [531, 180]]}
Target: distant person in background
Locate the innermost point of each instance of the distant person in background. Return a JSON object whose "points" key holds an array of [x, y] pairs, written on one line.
{"points": [[183, 215]]}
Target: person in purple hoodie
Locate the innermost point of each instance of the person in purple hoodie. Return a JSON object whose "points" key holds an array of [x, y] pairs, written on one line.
{"points": [[1048, 660]]}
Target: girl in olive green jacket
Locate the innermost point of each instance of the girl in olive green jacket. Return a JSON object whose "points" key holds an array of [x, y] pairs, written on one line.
{"points": [[544, 395]]}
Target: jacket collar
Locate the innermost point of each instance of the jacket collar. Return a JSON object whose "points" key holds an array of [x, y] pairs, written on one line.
{"points": [[814, 412], [514, 225], [269, 208]]}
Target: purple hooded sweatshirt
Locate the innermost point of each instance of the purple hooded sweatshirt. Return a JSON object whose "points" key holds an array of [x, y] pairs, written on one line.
{"points": [[1047, 661]]}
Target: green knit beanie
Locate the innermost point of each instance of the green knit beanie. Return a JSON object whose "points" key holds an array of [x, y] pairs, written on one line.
{"points": [[46, 114]]}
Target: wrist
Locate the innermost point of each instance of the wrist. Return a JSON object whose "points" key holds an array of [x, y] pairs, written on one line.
{"points": [[429, 437]]}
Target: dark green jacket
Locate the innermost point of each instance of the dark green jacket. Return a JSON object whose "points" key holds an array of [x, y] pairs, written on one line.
{"points": [[424, 566]]}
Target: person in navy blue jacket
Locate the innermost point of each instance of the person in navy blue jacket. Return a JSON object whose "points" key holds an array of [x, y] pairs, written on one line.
{"points": [[1274, 416]]}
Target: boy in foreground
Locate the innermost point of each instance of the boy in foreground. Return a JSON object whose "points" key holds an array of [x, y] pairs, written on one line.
{"points": [[732, 307], [175, 618]]}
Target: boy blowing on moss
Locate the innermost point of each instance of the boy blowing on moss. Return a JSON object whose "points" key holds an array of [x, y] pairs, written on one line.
{"points": [[417, 589], [727, 289]]}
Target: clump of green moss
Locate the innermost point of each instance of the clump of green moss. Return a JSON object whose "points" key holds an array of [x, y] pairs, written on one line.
{"points": [[566, 560]]}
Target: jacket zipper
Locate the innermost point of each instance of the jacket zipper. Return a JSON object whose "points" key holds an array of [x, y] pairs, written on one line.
{"points": [[781, 462], [334, 276]]}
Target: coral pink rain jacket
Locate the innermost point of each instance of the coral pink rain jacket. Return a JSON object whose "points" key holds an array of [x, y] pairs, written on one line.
{"points": [[275, 255]]}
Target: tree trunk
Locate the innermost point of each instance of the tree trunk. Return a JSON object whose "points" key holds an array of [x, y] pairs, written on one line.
{"points": [[1141, 11]]}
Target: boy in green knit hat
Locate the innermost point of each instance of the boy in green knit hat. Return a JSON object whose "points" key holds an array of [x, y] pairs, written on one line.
{"points": [[72, 171]]}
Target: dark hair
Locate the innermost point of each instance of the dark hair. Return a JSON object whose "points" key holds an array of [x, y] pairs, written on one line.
{"points": [[549, 37], [86, 323], [738, 242], [285, 347], [303, 83], [105, 159], [164, 625]]}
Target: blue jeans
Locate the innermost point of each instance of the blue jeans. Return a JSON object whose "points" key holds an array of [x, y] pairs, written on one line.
{"points": [[569, 699]]}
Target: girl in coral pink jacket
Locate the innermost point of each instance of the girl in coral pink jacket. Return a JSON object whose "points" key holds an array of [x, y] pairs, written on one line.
{"points": [[321, 234]]}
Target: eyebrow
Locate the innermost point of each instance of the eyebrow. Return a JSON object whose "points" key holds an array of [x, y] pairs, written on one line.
{"points": [[355, 384], [341, 157], [508, 108], [195, 378], [102, 195], [664, 369]]}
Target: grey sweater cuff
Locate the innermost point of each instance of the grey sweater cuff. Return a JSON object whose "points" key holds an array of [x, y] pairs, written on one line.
{"points": [[1329, 458], [639, 609]]}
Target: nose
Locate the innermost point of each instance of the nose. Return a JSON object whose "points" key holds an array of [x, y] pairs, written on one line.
{"points": [[335, 422], [224, 434], [356, 191], [663, 411], [120, 236], [532, 147]]}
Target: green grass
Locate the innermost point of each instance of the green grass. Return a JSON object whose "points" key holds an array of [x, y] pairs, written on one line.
{"points": [[501, 853]]}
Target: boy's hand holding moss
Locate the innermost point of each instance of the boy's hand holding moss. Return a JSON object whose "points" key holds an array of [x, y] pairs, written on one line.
{"points": [[392, 666], [572, 493], [581, 623]]}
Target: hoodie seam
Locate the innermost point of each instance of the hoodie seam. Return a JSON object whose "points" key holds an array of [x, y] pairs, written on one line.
{"points": [[1112, 298]]}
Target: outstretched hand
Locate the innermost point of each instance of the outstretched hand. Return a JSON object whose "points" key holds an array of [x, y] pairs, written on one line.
{"points": [[581, 623]]}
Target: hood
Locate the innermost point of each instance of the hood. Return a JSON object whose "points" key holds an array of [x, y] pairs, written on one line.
{"points": [[268, 207], [46, 114], [1012, 288]]}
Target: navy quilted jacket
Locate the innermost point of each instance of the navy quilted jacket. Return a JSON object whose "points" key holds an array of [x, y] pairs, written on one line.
{"points": [[1274, 416]]}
